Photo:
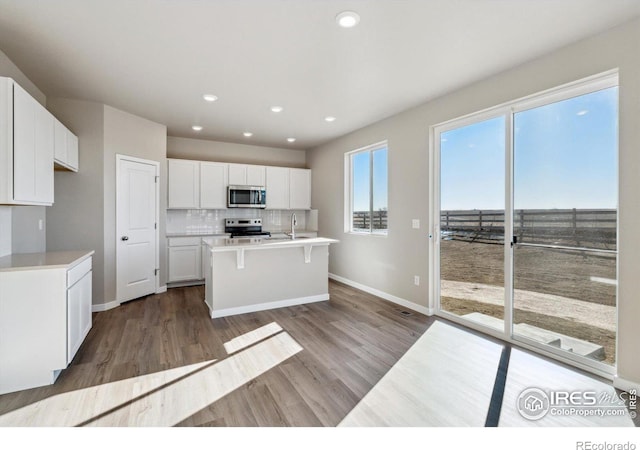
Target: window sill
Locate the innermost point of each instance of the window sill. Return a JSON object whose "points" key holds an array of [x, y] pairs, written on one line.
{"points": [[368, 233]]}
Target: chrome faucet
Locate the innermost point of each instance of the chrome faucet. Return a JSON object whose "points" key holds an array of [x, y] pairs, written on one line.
{"points": [[294, 222]]}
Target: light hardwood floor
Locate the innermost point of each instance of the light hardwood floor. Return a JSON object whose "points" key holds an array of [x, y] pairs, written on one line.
{"points": [[161, 361], [448, 378]]}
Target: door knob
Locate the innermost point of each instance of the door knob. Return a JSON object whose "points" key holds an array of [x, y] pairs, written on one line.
{"points": [[125, 238]]}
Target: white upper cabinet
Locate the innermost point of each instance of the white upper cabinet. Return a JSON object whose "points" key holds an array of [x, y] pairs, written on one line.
{"points": [[31, 139], [299, 189], [183, 184], [213, 185], [256, 175], [197, 184], [277, 187], [33, 146], [66, 148], [203, 184], [238, 174], [246, 175]]}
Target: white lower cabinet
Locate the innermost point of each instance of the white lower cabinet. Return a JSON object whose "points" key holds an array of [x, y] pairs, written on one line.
{"points": [[185, 259], [78, 307], [45, 314]]}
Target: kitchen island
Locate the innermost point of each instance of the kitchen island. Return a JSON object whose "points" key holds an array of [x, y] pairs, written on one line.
{"points": [[253, 274]]}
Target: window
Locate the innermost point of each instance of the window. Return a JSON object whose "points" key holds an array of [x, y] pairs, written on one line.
{"points": [[366, 190]]}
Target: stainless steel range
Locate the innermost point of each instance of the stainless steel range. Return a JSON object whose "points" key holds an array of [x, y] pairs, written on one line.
{"points": [[245, 228]]}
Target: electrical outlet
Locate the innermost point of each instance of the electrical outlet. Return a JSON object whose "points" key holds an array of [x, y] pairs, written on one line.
{"points": [[416, 280], [415, 223]]}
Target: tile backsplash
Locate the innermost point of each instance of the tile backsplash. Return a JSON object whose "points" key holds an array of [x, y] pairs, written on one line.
{"points": [[211, 221]]}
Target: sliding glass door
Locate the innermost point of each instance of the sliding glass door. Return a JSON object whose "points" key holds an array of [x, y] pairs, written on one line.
{"points": [[526, 221], [565, 222], [472, 202]]}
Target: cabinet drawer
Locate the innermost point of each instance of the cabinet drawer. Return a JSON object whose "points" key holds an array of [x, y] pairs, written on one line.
{"points": [[76, 273], [184, 241]]}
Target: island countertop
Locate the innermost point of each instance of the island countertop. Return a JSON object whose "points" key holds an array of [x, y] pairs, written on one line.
{"points": [[256, 243], [253, 273]]}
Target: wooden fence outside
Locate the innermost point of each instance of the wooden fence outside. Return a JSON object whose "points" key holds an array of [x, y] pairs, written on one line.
{"points": [[362, 220], [596, 228]]}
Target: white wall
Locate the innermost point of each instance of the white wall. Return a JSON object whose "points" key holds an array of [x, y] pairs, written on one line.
{"points": [[389, 264], [76, 219], [9, 69], [27, 236], [130, 135], [202, 150], [84, 213], [5, 230]]}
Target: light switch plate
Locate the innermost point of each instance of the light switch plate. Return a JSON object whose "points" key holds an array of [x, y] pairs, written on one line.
{"points": [[415, 223]]}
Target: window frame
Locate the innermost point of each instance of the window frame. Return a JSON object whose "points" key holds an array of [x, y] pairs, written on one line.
{"points": [[348, 190]]}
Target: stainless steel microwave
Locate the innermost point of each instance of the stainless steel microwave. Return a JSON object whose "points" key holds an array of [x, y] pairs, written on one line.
{"points": [[246, 197]]}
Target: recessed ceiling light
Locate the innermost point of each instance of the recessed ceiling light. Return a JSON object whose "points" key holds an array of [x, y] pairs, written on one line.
{"points": [[210, 97], [277, 109], [196, 128], [348, 19], [291, 139], [247, 134], [329, 118]]}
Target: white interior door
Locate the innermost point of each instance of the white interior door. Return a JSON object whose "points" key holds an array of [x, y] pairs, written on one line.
{"points": [[137, 234]]}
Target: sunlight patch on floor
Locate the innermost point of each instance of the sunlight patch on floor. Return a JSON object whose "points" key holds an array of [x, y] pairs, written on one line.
{"points": [[160, 399]]}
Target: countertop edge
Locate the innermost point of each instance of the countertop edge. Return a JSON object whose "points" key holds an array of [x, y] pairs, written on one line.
{"points": [[80, 256], [273, 245]]}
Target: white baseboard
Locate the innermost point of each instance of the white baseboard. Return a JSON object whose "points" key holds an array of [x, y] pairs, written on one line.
{"points": [[625, 385], [162, 289], [269, 305], [384, 295], [105, 306], [177, 284]]}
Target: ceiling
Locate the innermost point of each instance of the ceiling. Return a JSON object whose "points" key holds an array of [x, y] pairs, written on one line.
{"points": [[156, 58]]}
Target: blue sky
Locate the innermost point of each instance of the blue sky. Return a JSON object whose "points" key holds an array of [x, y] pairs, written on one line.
{"points": [[361, 180], [565, 156]]}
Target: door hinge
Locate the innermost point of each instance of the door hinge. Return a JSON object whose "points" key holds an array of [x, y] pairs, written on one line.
{"points": [[157, 178], [155, 272], [155, 226]]}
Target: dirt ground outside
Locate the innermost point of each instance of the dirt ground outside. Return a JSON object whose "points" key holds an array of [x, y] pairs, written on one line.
{"points": [[586, 277]]}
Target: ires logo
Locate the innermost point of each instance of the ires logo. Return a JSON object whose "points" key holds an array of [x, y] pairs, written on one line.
{"points": [[534, 404], [560, 398]]}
